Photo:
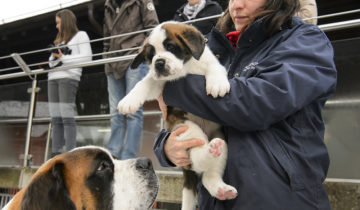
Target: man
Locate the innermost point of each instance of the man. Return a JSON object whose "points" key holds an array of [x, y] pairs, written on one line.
{"points": [[125, 16]]}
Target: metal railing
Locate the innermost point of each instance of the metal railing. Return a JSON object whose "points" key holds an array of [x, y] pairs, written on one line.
{"points": [[325, 27]]}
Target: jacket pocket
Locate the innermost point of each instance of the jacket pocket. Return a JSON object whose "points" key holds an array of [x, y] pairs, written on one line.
{"points": [[284, 160]]}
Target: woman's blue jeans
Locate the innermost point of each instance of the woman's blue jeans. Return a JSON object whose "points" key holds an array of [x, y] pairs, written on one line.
{"points": [[126, 129], [61, 95]]}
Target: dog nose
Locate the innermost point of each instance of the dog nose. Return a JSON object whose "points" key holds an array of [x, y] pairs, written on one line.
{"points": [[160, 64], [143, 164]]}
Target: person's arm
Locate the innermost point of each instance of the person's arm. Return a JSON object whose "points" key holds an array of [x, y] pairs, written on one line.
{"points": [[106, 33], [294, 74], [158, 148], [308, 9], [52, 61], [85, 53]]}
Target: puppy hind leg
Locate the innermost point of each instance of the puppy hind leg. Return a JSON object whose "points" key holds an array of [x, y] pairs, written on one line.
{"points": [[212, 178], [213, 182], [189, 192], [212, 155]]}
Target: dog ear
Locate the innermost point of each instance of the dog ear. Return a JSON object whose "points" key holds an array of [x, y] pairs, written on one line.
{"points": [[48, 191], [140, 57], [193, 40]]}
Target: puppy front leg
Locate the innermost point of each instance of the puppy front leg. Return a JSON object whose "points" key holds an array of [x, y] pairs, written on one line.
{"points": [[217, 83], [145, 90]]}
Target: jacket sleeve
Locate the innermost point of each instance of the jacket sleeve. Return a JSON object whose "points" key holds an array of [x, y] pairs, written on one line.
{"points": [[106, 33], [149, 16], [159, 149], [85, 53], [295, 73]]}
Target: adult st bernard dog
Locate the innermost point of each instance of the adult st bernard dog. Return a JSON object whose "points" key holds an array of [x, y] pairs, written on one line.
{"points": [[88, 178], [172, 51]]}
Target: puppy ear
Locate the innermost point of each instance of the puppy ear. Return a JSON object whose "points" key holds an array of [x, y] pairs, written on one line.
{"points": [[193, 40], [48, 191], [138, 60], [140, 57]]}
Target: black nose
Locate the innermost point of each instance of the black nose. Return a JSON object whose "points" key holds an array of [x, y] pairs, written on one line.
{"points": [[143, 164], [160, 64]]}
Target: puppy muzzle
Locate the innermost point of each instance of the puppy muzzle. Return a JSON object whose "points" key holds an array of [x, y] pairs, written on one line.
{"points": [[160, 67]]}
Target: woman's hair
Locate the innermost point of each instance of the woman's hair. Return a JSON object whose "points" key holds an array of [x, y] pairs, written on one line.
{"points": [[68, 27], [276, 12]]}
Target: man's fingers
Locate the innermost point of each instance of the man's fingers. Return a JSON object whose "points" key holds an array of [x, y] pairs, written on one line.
{"points": [[183, 163], [192, 143], [180, 130]]}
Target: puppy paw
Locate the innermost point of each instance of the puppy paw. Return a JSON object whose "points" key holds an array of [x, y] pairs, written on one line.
{"points": [[226, 192], [129, 105], [216, 147], [217, 85]]}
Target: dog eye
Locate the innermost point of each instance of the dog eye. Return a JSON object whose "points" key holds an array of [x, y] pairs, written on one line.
{"points": [[103, 165], [170, 47]]}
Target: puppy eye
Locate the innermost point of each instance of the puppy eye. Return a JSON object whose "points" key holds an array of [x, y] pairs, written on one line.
{"points": [[170, 47], [103, 166]]}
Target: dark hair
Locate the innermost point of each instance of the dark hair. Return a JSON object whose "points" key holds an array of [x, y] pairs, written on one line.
{"points": [[276, 12], [68, 27]]}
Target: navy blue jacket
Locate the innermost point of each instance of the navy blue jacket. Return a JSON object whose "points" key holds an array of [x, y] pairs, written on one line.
{"points": [[272, 116]]}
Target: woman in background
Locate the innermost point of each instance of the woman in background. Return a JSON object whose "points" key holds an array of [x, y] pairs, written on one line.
{"points": [[74, 47]]}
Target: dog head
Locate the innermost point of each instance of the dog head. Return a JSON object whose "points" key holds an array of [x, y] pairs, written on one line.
{"points": [[169, 46], [89, 178]]}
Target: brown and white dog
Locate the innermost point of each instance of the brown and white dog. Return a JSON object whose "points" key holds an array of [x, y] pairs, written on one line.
{"points": [[89, 178], [172, 51]]}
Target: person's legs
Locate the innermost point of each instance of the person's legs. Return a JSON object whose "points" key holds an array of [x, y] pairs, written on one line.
{"points": [[134, 121], [57, 134], [67, 94], [116, 90]]}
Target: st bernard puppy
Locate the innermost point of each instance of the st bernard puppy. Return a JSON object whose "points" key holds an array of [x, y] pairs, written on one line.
{"points": [[88, 178], [172, 51]]}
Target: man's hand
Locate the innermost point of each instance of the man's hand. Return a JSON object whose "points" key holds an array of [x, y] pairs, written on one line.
{"points": [[177, 150]]}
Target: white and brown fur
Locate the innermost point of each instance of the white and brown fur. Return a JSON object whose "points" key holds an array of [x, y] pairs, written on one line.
{"points": [[172, 51], [88, 178]]}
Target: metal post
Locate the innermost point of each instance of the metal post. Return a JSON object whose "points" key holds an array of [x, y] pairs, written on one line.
{"points": [[30, 120], [47, 142], [27, 71]]}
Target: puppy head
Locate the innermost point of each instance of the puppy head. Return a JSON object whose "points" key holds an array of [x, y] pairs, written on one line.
{"points": [[169, 46], [89, 178]]}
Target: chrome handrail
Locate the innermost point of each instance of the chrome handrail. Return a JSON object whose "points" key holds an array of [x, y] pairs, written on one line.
{"points": [[78, 65], [325, 27], [78, 118]]}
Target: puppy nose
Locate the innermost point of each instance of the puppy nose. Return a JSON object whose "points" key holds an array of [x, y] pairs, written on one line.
{"points": [[143, 164], [160, 64]]}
